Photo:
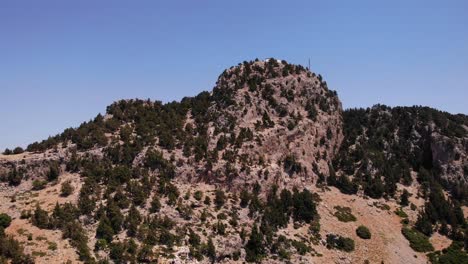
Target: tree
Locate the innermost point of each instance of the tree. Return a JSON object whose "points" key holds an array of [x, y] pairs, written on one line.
{"points": [[18, 150], [132, 221], [40, 218], [15, 176], [244, 198], [423, 224], [155, 204], [7, 151], [194, 239], [331, 180], [304, 206], [255, 248], [220, 198], [104, 229], [54, 171], [115, 217], [5, 220], [404, 198], [211, 250]]}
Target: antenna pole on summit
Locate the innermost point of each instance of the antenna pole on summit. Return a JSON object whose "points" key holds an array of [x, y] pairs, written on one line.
{"points": [[309, 65]]}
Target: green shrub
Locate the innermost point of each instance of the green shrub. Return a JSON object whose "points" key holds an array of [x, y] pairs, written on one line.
{"points": [[363, 232], [66, 189], [344, 214], [341, 243], [300, 247], [52, 246], [401, 213], [453, 254], [5, 220], [38, 185], [198, 195], [418, 241]]}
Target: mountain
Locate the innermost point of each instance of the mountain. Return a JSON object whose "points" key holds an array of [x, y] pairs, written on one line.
{"points": [[267, 167]]}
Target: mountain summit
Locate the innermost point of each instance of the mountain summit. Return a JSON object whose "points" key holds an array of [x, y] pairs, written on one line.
{"points": [[267, 167]]}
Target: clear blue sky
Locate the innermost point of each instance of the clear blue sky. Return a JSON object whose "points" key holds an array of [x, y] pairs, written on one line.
{"points": [[62, 62]]}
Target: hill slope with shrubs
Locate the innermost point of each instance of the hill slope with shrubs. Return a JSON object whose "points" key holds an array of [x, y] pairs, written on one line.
{"points": [[237, 174]]}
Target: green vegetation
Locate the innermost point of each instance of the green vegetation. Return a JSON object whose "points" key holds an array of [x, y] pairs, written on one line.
{"points": [[12, 251], [404, 198], [418, 241], [5, 220], [139, 162], [344, 214], [66, 189], [454, 254], [363, 232], [401, 213], [54, 171], [378, 134], [341, 243], [18, 150], [220, 198], [38, 184], [255, 248]]}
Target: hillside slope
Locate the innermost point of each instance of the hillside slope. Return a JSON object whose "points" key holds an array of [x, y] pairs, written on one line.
{"points": [[242, 173]]}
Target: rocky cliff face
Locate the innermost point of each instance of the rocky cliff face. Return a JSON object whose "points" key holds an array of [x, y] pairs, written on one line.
{"points": [[271, 122]]}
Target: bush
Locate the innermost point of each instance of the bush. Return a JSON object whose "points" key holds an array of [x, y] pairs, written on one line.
{"points": [[15, 177], [11, 249], [198, 195], [66, 189], [344, 214], [301, 247], [418, 241], [340, 243], [38, 185], [363, 232], [5, 220], [401, 213]]}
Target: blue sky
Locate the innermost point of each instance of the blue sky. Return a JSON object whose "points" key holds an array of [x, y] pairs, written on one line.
{"points": [[62, 62]]}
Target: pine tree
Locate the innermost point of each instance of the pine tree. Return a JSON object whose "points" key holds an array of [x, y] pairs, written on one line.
{"points": [[211, 251], [423, 224], [220, 198], [54, 171], [104, 229], [40, 218], [255, 248], [404, 198], [155, 204]]}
